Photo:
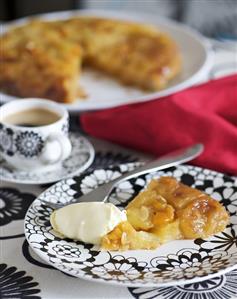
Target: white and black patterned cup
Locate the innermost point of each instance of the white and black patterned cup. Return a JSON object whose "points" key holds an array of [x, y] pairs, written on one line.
{"points": [[38, 147]]}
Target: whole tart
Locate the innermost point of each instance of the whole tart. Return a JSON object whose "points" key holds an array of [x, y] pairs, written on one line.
{"points": [[44, 59]]}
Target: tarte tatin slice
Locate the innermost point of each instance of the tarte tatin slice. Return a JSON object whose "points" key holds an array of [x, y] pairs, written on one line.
{"points": [[167, 210]]}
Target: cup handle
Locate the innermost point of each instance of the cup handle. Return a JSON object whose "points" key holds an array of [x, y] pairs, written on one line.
{"points": [[57, 148]]}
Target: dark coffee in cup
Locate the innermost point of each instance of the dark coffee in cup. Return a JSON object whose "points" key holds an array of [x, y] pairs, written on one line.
{"points": [[32, 118], [34, 134]]}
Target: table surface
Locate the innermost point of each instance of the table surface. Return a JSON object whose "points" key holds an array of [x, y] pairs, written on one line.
{"points": [[24, 275]]}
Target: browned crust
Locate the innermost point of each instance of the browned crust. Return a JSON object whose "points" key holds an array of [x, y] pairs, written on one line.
{"points": [[43, 59]]}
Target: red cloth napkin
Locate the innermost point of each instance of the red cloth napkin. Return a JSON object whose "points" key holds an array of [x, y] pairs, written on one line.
{"points": [[206, 113]]}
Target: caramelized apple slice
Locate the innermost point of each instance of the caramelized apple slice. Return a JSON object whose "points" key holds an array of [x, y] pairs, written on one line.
{"points": [[176, 194], [202, 218], [125, 237], [148, 210]]}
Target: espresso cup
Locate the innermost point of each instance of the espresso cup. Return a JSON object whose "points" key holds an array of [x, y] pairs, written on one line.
{"points": [[34, 134]]}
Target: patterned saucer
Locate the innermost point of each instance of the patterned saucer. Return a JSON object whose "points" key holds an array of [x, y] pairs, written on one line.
{"points": [[175, 263], [80, 159]]}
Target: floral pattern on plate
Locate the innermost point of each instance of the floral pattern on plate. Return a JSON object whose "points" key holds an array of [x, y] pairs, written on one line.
{"points": [[178, 262], [223, 287]]}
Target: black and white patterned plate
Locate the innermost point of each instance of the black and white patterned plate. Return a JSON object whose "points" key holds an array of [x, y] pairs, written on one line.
{"points": [[178, 262], [81, 158]]}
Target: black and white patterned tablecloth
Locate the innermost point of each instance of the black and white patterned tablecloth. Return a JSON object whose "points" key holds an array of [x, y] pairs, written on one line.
{"points": [[24, 275]]}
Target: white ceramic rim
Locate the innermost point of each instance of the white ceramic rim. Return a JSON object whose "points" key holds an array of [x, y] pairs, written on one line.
{"points": [[167, 284], [21, 105], [196, 77]]}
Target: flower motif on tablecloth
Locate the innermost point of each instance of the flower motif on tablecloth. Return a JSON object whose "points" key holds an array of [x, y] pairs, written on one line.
{"points": [[224, 287], [13, 204], [119, 268], [16, 284], [7, 140], [224, 241], [29, 143]]}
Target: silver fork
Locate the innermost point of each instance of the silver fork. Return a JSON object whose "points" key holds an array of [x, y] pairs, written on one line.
{"points": [[103, 192]]}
